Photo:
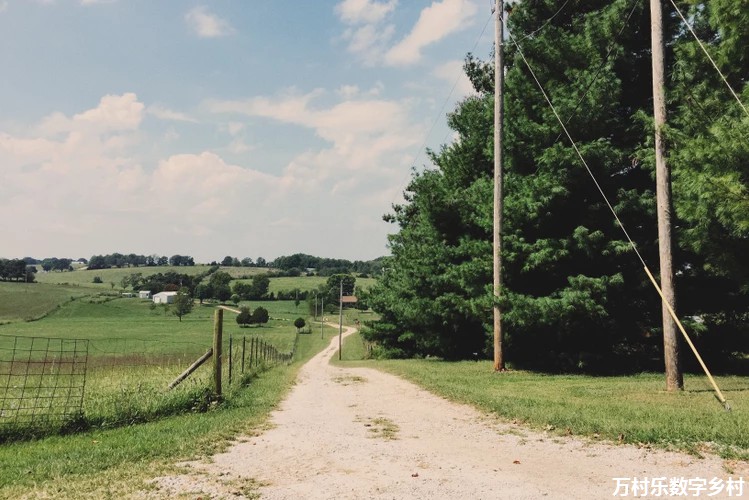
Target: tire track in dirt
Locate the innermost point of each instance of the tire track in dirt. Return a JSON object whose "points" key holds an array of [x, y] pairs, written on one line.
{"points": [[357, 433]]}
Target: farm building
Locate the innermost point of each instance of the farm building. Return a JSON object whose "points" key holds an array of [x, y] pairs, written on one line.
{"points": [[349, 299], [144, 294], [164, 297]]}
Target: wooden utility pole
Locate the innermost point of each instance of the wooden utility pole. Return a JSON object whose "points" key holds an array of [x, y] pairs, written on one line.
{"points": [[340, 320], [674, 378], [499, 361]]}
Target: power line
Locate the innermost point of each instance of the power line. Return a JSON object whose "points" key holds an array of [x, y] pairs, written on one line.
{"points": [[442, 109], [579, 154], [658, 289], [602, 65], [702, 46]]}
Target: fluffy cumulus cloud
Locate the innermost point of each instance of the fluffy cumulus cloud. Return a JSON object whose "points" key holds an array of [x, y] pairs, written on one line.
{"points": [[367, 33], [206, 24], [83, 181], [163, 113], [364, 132], [364, 11], [435, 23]]}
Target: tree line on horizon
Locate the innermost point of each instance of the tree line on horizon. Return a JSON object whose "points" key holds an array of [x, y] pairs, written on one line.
{"points": [[292, 265], [575, 297]]}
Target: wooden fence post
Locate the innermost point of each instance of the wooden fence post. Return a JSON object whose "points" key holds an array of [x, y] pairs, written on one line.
{"points": [[231, 355], [218, 327], [244, 345]]}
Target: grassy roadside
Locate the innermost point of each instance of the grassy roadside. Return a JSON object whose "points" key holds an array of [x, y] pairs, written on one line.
{"points": [[118, 462], [633, 409]]}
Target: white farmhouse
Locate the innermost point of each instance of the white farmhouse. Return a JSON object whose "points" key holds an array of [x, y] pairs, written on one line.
{"points": [[144, 294], [164, 297]]}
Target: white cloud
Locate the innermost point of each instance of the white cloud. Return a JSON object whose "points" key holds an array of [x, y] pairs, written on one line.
{"points": [[167, 114], [3, 6], [114, 112], [348, 91], [367, 37], [364, 11], [368, 140], [452, 72], [235, 128], [435, 22], [80, 179], [94, 2], [207, 25]]}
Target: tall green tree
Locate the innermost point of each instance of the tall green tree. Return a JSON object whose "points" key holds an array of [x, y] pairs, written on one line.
{"points": [[571, 281], [709, 134]]}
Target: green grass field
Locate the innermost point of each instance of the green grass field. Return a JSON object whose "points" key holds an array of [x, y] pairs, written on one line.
{"points": [[634, 409], [25, 302], [85, 277], [115, 463], [288, 284], [135, 349]]}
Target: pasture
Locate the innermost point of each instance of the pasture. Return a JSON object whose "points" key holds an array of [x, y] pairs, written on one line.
{"points": [[30, 301], [133, 350], [309, 283], [84, 277]]}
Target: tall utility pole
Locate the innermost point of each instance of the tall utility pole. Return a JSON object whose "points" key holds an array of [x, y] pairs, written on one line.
{"points": [[499, 77], [340, 320], [674, 378], [322, 316]]}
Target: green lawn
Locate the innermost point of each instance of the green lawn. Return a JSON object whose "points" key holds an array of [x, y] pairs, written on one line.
{"points": [[634, 409]]}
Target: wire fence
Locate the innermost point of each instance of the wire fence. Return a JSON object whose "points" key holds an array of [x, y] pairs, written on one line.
{"points": [[50, 384], [42, 379], [246, 355]]}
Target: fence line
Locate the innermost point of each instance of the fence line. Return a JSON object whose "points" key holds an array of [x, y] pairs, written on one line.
{"points": [[42, 379], [47, 383]]}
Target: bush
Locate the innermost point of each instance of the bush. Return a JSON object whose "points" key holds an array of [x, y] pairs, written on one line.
{"points": [[299, 323], [97, 279], [260, 316], [244, 318]]}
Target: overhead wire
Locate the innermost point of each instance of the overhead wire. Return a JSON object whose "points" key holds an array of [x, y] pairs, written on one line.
{"points": [[601, 66], [670, 309], [442, 108], [702, 46]]}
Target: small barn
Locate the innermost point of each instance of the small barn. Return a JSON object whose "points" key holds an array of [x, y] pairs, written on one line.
{"points": [[164, 297], [349, 299], [144, 294]]}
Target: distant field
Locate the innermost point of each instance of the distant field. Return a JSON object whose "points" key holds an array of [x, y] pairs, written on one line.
{"points": [[127, 321], [239, 272], [109, 276], [134, 350], [288, 284], [22, 301]]}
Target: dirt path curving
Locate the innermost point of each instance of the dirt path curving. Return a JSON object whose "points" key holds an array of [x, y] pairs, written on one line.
{"points": [[357, 433]]}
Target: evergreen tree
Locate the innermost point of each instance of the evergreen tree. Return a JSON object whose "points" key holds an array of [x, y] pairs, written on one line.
{"points": [[709, 133]]}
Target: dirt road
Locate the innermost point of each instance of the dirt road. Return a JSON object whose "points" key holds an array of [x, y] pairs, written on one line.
{"points": [[356, 433]]}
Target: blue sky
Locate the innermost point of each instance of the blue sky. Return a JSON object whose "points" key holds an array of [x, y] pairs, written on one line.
{"points": [[245, 128]]}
